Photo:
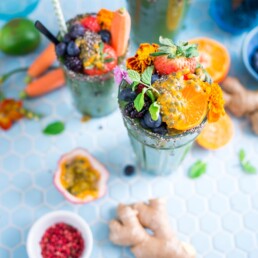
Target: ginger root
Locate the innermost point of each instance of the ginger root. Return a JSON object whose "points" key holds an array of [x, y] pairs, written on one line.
{"points": [[129, 230], [240, 101]]}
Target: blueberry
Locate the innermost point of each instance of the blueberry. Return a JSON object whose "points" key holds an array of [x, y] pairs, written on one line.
{"points": [[72, 49], [129, 170], [154, 78], [60, 49], [67, 38], [77, 30], [162, 130], [105, 36], [151, 123], [127, 95], [142, 123]]}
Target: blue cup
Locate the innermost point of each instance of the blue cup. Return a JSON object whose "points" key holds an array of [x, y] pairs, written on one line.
{"points": [[10, 9], [234, 16]]}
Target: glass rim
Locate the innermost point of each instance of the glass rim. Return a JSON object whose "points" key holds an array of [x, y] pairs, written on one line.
{"points": [[164, 137]]}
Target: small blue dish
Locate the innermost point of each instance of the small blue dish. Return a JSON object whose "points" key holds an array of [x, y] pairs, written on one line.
{"points": [[249, 46]]}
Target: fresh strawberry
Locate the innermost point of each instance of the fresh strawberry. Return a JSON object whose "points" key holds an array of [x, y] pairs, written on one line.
{"points": [[91, 23], [109, 62], [165, 65]]}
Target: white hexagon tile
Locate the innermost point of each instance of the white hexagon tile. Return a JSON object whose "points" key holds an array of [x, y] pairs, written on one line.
{"points": [[217, 213]]}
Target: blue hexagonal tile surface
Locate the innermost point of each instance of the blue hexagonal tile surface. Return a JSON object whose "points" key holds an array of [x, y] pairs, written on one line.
{"points": [[217, 213]]}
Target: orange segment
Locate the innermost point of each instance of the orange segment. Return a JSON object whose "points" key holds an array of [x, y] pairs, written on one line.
{"points": [[216, 135], [194, 109], [214, 57]]}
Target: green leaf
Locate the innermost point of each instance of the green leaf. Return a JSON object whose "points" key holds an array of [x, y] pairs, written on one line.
{"points": [[134, 84], [191, 52], [197, 169], [154, 111], [248, 168], [54, 128], [109, 60], [241, 155], [139, 101], [101, 47], [166, 41], [134, 76], [146, 76], [2, 97], [158, 54], [151, 95]]}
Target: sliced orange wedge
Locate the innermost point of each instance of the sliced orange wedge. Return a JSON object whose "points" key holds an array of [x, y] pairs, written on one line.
{"points": [[194, 110], [218, 134], [214, 57]]}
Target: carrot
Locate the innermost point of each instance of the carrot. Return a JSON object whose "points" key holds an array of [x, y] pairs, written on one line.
{"points": [[120, 31], [45, 84], [41, 63]]}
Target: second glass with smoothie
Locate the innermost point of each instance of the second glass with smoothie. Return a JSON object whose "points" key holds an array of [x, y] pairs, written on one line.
{"points": [[151, 18], [88, 53]]}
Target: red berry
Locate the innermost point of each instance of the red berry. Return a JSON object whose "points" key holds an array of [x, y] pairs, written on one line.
{"points": [[91, 23], [165, 65], [139, 88], [110, 54]]}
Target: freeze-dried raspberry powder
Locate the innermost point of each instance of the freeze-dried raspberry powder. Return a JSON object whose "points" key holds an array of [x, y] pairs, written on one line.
{"points": [[62, 241]]}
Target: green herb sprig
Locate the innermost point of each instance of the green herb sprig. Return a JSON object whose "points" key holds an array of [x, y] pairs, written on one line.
{"points": [[246, 166], [172, 50], [145, 79]]}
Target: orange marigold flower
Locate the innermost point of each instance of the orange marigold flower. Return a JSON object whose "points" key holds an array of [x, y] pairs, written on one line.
{"points": [[216, 102], [104, 18], [142, 58], [10, 111]]}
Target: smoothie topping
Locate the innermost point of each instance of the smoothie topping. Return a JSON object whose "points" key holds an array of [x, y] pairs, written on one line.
{"points": [[88, 47], [170, 90], [142, 58], [79, 177]]}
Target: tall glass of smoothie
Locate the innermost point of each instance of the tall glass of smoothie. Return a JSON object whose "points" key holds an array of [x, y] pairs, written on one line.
{"points": [[88, 53], [166, 97], [151, 18]]}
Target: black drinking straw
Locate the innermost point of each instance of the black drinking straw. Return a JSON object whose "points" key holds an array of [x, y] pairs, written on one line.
{"points": [[40, 27]]}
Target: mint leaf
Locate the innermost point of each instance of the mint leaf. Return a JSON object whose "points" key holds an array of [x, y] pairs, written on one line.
{"points": [[166, 41], [146, 76], [134, 76], [108, 60], [134, 84], [1, 96], [101, 47], [151, 95], [248, 168], [158, 54], [154, 111], [241, 155], [139, 101], [197, 169], [54, 128]]}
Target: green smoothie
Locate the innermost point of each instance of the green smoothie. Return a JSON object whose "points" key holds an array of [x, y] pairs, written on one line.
{"points": [[152, 18], [158, 154], [92, 95], [88, 60]]}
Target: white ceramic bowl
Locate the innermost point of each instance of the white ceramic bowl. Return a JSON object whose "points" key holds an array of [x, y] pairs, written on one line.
{"points": [[41, 225]]}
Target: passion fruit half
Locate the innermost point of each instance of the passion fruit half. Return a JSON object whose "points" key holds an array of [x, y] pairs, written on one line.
{"points": [[77, 186]]}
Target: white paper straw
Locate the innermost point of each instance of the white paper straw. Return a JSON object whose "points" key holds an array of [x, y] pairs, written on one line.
{"points": [[60, 17]]}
